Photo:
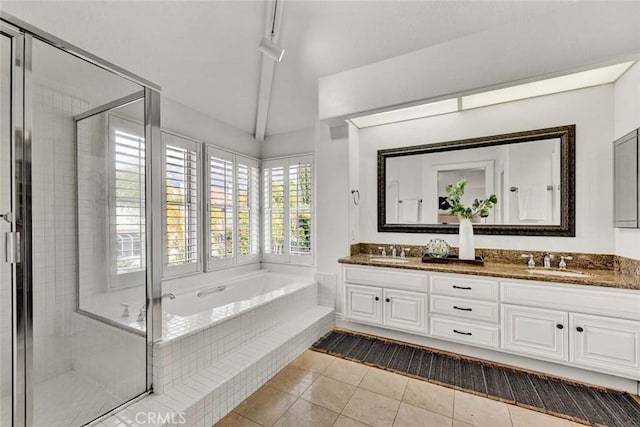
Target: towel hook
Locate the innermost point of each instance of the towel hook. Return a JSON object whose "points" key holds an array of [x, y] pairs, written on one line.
{"points": [[356, 197]]}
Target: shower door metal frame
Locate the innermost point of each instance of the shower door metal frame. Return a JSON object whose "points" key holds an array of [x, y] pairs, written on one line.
{"points": [[23, 35]]}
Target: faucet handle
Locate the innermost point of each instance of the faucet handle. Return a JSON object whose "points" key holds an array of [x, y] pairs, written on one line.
{"points": [[562, 265], [531, 263], [125, 310]]}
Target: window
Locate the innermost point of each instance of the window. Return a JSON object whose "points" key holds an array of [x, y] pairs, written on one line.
{"points": [[127, 225], [288, 210], [233, 208], [181, 205], [247, 189]]}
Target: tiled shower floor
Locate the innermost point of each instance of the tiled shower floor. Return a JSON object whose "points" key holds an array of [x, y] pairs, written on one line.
{"points": [[322, 390], [66, 400]]}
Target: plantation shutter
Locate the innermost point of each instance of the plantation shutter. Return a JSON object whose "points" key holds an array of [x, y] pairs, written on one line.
{"points": [[181, 197], [128, 196], [221, 206], [248, 207]]}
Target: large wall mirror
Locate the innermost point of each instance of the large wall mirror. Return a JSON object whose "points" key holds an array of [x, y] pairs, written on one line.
{"points": [[532, 173]]}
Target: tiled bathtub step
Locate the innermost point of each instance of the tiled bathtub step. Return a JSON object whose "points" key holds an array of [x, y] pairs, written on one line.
{"points": [[179, 358], [206, 397]]}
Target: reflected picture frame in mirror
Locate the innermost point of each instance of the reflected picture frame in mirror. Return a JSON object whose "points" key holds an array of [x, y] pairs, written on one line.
{"points": [[560, 223]]}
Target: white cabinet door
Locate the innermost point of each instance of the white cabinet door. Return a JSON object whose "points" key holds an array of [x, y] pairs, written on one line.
{"points": [[405, 310], [364, 303], [605, 344], [535, 332]]}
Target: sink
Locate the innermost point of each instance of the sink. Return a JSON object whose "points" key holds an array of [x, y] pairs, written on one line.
{"points": [[391, 260], [558, 273]]}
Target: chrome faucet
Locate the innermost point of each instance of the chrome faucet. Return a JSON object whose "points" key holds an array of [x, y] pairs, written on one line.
{"points": [[393, 251], [125, 311], [383, 253], [169, 295], [548, 256]]}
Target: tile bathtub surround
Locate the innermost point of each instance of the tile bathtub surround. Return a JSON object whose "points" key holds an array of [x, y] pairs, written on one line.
{"points": [[576, 402], [502, 256], [319, 396], [177, 359], [202, 399]]}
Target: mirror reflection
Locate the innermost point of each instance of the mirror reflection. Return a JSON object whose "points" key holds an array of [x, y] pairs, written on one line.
{"points": [[524, 176]]}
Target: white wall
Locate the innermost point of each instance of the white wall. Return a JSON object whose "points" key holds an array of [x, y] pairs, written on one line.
{"points": [[627, 118], [184, 120], [590, 109], [287, 144]]}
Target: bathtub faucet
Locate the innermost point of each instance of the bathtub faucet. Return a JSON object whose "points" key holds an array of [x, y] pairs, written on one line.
{"points": [[169, 295]]}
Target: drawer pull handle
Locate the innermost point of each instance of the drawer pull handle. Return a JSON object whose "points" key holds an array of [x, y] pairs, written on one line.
{"points": [[466, 288], [559, 326], [579, 329], [462, 308], [462, 333], [377, 299]]}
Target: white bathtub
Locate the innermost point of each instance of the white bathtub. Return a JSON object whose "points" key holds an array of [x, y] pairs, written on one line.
{"points": [[197, 308]]}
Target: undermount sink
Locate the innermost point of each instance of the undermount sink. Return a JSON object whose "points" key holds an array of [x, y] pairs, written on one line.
{"points": [[559, 273], [391, 260]]}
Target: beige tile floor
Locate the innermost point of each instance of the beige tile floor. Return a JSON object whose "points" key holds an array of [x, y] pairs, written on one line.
{"points": [[321, 390]]}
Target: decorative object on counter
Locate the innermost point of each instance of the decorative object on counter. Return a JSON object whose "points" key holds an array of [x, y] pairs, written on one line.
{"points": [[480, 208], [438, 248], [453, 259]]}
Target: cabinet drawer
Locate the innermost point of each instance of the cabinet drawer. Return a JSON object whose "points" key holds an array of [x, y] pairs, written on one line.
{"points": [[463, 331], [581, 299], [485, 289], [465, 308], [388, 278]]}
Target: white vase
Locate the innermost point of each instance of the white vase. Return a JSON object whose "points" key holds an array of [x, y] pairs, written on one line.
{"points": [[466, 247]]}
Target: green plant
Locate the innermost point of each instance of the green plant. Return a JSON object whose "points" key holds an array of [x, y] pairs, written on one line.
{"points": [[478, 207]]}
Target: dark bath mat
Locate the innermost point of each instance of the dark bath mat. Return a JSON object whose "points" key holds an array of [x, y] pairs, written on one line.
{"points": [[574, 401]]}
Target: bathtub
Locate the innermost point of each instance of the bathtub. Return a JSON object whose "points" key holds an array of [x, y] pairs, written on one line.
{"points": [[203, 306]]}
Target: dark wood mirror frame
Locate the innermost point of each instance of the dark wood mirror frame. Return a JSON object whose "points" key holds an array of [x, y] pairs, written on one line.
{"points": [[567, 183]]}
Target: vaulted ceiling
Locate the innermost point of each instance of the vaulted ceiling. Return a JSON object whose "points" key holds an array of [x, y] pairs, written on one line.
{"points": [[204, 53]]}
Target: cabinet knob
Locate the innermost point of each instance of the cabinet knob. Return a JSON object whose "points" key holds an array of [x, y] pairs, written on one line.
{"points": [[559, 326], [579, 329], [388, 300], [377, 299]]}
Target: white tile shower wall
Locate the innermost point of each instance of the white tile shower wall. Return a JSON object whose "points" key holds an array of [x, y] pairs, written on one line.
{"points": [[327, 283], [54, 224], [109, 356], [177, 359]]}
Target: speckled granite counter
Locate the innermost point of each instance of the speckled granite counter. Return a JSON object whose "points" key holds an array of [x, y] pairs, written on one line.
{"points": [[606, 278]]}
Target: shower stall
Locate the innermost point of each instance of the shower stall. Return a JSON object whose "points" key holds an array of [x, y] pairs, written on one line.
{"points": [[80, 274]]}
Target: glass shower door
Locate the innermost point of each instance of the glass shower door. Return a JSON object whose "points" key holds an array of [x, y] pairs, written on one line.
{"points": [[6, 280]]}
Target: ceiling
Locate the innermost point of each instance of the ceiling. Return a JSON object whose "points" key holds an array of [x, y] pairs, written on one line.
{"points": [[204, 53]]}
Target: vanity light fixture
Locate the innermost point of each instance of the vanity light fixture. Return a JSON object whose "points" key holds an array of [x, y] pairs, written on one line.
{"points": [[271, 49], [584, 79], [409, 113]]}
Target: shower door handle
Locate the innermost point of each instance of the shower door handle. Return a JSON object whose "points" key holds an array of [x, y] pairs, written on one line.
{"points": [[12, 247]]}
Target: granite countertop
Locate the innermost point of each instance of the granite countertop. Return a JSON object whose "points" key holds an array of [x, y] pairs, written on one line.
{"points": [[606, 278]]}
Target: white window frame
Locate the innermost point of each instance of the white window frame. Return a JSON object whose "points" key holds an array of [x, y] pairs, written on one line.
{"points": [[188, 144], [254, 219], [136, 278], [214, 263], [286, 257]]}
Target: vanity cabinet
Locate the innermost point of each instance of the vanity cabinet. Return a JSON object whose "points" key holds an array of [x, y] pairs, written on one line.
{"points": [[535, 332], [626, 165], [605, 344], [393, 299]]}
